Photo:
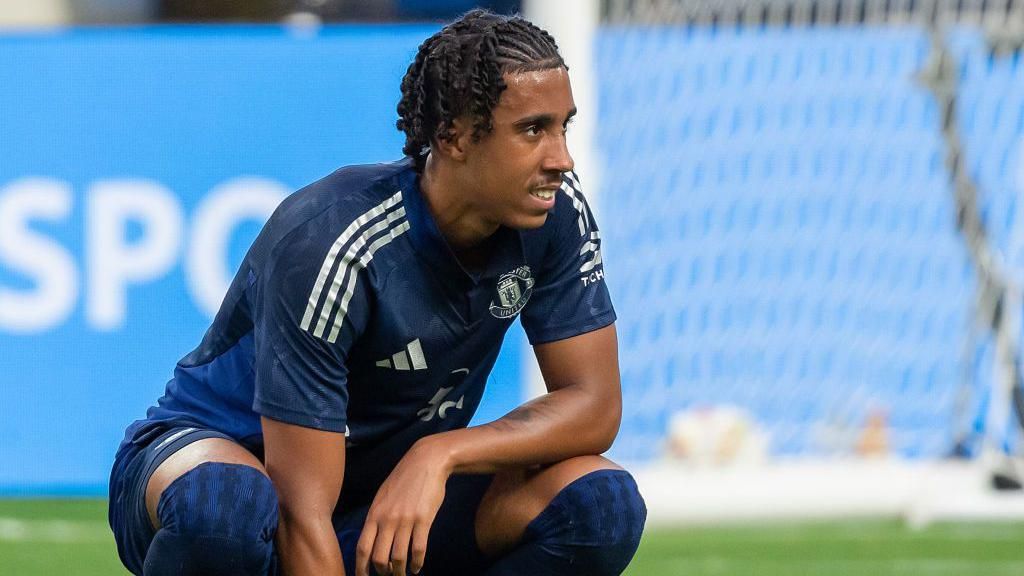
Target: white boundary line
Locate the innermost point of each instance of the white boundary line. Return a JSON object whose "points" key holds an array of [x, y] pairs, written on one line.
{"points": [[919, 492], [64, 531]]}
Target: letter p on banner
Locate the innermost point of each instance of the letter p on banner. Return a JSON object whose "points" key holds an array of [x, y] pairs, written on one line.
{"points": [[113, 262]]}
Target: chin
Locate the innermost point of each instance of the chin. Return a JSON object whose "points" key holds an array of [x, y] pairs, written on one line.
{"points": [[528, 221]]}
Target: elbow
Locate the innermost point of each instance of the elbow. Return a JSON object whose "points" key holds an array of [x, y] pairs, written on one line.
{"points": [[608, 435], [603, 443], [604, 425]]}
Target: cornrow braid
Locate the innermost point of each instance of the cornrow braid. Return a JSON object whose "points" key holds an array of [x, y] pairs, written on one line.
{"points": [[459, 71]]}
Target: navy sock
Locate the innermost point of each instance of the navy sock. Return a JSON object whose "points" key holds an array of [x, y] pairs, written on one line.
{"points": [[215, 519], [592, 527]]}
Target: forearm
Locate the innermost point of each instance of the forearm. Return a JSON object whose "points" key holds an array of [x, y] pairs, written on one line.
{"points": [[568, 422], [307, 467], [308, 547]]}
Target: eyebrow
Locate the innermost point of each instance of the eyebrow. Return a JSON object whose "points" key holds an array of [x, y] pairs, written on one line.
{"points": [[541, 119]]}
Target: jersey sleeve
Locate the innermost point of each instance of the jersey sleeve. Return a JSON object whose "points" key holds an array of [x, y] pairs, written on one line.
{"points": [[310, 308], [570, 296]]}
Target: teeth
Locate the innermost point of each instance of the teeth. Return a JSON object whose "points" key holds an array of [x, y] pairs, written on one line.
{"points": [[544, 194]]}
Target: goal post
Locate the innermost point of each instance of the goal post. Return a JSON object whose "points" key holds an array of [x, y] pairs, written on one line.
{"points": [[573, 24]]}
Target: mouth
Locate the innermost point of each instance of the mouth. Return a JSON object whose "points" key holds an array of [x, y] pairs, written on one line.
{"points": [[545, 194]]}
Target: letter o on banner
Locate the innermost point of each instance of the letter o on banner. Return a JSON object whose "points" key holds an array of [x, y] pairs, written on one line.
{"points": [[227, 205]]}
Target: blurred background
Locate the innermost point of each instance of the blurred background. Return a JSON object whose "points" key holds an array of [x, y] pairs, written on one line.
{"points": [[813, 221]]}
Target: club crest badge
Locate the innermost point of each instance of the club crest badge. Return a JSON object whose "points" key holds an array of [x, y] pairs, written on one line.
{"points": [[514, 289]]}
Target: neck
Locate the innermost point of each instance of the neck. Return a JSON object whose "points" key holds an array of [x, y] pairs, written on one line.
{"points": [[450, 202]]}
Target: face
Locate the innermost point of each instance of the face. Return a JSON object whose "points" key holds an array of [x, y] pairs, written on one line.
{"points": [[515, 170]]}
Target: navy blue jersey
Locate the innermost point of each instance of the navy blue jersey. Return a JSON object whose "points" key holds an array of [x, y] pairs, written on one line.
{"points": [[351, 314]]}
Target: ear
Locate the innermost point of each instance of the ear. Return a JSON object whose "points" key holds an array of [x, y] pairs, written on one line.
{"points": [[460, 140]]}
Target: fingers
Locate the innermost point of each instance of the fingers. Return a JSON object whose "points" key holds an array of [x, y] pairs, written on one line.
{"points": [[381, 555], [418, 551], [364, 548], [400, 550], [392, 551], [374, 547]]}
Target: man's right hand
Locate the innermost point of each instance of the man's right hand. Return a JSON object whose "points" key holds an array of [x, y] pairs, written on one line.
{"points": [[307, 467]]}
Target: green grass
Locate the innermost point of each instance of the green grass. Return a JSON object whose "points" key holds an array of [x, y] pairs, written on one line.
{"points": [[71, 537], [67, 537], [854, 548]]}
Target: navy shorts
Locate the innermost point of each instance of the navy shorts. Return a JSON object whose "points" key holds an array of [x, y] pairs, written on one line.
{"points": [[144, 448], [451, 545]]}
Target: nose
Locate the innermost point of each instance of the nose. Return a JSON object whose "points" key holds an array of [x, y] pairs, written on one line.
{"points": [[558, 158]]}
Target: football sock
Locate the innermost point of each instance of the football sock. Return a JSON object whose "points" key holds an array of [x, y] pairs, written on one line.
{"points": [[592, 527], [215, 519]]}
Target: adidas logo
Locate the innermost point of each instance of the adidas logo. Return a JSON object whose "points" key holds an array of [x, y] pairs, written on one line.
{"points": [[409, 359]]}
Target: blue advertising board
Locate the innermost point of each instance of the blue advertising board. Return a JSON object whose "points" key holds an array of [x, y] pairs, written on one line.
{"points": [[136, 166]]}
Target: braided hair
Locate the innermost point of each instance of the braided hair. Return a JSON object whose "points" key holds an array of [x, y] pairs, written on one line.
{"points": [[459, 71]]}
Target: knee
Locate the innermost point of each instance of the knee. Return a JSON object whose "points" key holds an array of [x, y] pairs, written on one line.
{"points": [[217, 519], [608, 510], [597, 520]]}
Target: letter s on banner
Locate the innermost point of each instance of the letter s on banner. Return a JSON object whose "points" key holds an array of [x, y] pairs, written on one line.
{"points": [[237, 200], [45, 261]]}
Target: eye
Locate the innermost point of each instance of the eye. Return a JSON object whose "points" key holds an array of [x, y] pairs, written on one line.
{"points": [[532, 130], [568, 123]]}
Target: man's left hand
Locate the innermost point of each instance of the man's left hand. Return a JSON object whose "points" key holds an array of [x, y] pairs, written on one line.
{"points": [[398, 523]]}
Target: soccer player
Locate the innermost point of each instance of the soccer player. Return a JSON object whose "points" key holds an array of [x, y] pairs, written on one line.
{"points": [[320, 427]]}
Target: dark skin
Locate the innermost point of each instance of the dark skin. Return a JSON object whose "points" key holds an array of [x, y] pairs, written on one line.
{"points": [[472, 186]]}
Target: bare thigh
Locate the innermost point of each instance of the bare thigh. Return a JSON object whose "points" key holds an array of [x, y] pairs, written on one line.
{"points": [[190, 456], [516, 497]]}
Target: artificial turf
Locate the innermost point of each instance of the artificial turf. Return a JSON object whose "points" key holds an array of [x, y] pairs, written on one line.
{"points": [[49, 537]]}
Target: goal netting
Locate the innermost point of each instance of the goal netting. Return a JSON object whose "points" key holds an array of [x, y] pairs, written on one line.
{"points": [[814, 224]]}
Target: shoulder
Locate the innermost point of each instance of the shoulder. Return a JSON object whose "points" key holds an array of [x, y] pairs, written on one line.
{"points": [[307, 261], [343, 196], [571, 206], [340, 206]]}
